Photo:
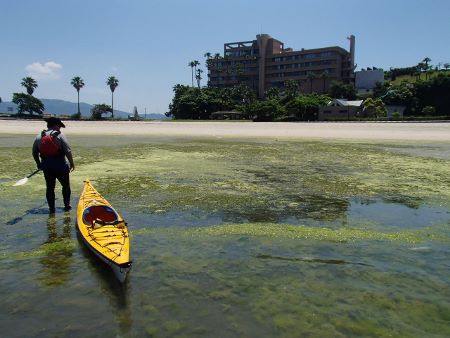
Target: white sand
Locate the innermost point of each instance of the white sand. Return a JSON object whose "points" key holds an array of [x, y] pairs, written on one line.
{"points": [[352, 130]]}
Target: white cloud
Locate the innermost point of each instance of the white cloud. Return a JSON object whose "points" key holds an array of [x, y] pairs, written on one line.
{"points": [[47, 71]]}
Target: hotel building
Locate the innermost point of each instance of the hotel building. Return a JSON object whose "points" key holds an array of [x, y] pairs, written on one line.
{"points": [[265, 62]]}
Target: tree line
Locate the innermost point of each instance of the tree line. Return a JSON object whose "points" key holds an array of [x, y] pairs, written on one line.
{"points": [[27, 103], [199, 103]]}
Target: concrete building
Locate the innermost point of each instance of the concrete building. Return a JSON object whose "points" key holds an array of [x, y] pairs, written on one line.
{"points": [[366, 79], [265, 62]]}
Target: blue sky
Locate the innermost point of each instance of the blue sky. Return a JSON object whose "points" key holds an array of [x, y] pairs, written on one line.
{"points": [[148, 44]]}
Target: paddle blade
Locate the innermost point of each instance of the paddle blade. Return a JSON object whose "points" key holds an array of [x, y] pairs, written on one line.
{"points": [[21, 182]]}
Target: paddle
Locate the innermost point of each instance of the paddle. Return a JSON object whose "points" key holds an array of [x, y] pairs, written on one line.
{"points": [[25, 180]]}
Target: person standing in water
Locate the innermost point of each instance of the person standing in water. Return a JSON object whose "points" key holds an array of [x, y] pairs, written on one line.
{"points": [[50, 150]]}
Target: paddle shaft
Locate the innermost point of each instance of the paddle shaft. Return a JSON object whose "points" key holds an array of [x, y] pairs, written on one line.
{"points": [[34, 173]]}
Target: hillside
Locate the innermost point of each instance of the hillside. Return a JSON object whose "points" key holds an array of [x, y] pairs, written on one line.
{"points": [[61, 107], [412, 78]]}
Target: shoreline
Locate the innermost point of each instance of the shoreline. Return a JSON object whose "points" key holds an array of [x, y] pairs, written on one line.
{"points": [[397, 131]]}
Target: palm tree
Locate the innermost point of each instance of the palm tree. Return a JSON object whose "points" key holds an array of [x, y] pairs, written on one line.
{"points": [[311, 76], [112, 82], [446, 66], [78, 83], [426, 60], [217, 57], [207, 56], [426, 67], [192, 65], [198, 76], [196, 63], [30, 84]]}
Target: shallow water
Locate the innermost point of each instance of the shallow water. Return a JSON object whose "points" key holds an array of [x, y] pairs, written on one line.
{"points": [[234, 238]]}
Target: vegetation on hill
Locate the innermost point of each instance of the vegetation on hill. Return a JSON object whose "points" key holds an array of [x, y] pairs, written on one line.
{"points": [[421, 98]]}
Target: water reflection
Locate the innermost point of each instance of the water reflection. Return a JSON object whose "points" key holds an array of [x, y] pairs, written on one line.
{"points": [[310, 260], [58, 252], [116, 292]]}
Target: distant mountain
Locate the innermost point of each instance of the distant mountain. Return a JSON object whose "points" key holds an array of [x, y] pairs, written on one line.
{"points": [[61, 107]]}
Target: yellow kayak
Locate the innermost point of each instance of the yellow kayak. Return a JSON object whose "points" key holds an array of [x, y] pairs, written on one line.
{"points": [[104, 231]]}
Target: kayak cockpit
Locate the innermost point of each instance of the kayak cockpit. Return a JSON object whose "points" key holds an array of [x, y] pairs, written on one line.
{"points": [[102, 213]]}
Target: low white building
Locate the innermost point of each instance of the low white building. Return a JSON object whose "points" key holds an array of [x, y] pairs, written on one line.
{"points": [[340, 109]]}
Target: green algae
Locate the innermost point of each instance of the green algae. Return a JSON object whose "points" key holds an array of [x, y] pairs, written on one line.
{"points": [[238, 178], [276, 230], [64, 247], [243, 179], [278, 254]]}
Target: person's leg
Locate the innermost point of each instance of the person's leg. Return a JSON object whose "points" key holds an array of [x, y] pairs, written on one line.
{"points": [[50, 181], [63, 178]]}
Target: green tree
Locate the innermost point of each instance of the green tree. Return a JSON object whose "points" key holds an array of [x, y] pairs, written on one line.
{"points": [[306, 107], [30, 84], [401, 94], [374, 107], [446, 65], [291, 89], [242, 95], [434, 93], [339, 90], [112, 82], [273, 93], [265, 110], [99, 109], [78, 83], [28, 103]]}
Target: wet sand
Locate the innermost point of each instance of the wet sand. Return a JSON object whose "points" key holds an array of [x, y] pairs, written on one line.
{"points": [[340, 130]]}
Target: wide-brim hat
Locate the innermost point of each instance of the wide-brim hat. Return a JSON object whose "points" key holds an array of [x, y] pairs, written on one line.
{"points": [[52, 121]]}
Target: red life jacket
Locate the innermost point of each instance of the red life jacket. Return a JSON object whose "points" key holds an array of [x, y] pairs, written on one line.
{"points": [[49, 146]]}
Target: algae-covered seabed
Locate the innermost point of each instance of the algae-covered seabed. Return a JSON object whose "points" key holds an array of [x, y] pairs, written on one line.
{"points": [[235, 239]]}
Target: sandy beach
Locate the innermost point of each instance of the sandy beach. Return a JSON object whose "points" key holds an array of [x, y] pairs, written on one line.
{"points": [[352, 131]]}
